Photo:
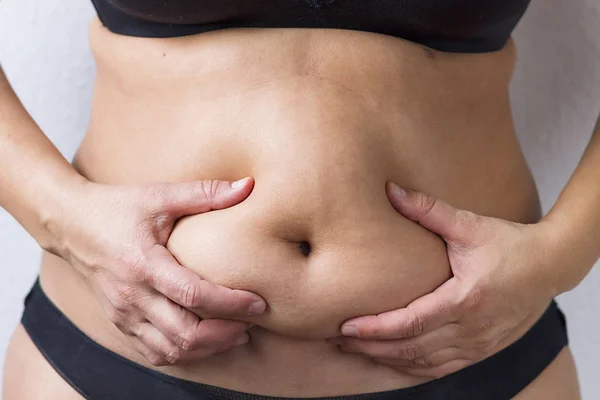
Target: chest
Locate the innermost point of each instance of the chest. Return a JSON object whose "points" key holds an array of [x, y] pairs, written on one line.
{"points": [[433, 15]]}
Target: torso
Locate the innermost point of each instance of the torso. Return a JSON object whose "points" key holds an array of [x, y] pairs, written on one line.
{"points": [[321, 119]]}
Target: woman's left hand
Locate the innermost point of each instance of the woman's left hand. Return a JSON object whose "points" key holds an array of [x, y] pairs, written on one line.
{"points": [[504, 275]]}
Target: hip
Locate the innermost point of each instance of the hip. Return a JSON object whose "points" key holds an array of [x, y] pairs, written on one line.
{"points": [[535, 366]]}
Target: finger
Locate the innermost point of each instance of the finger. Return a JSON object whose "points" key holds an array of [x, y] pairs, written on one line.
{"points": [[439, 371], [155, 346], [421, 316], [189, 290], [125, 319], [151, 356], [404, 349], [221, 334], [180, 199], [185, 329], [433, 214], [440, 357], [159, 350]]}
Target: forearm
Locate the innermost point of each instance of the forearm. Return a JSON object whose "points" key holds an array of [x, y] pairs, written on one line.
{"points": [[575, 218], [33, 173]]}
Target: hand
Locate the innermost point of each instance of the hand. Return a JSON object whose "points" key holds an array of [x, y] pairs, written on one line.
{"points": [[502, 278], [115, 236]]}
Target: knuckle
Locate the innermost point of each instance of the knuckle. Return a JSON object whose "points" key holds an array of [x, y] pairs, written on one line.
{"points": [[92, 265], [134, 330], [478, 348], [416, 324], [121, 307], [492, 338], [481, 344], [407, 352], [461, 333], [136, 266], [173, 355], [186, 341], [426, 203], [208, 189], [423, 362], [119, 320], [485, 326], [190, 295], [125, 297], [156, 360], [157, 213]]}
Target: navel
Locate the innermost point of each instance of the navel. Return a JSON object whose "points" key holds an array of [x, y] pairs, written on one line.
{"points": [[305, 248]]}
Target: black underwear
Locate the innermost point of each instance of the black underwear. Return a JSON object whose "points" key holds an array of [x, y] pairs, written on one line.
{"points": [[100, 374]]}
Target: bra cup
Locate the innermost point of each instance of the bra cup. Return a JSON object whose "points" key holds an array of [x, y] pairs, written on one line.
{"points": [[458, 25]]}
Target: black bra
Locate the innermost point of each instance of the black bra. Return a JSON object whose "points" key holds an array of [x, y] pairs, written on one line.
{"points": [[471, 26]]}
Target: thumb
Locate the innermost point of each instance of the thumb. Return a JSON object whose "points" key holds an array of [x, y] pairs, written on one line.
{"points": [[202, 196], [435, 215], [421, 316]]}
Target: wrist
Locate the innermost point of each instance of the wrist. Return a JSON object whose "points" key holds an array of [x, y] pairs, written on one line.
{"points": [[566, 265], [57, 206]]}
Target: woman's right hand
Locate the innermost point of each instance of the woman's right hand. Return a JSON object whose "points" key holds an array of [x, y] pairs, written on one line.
{"points": [[115, 236]]}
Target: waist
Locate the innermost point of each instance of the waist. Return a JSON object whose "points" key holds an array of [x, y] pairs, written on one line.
{"points": [[321, 121]]}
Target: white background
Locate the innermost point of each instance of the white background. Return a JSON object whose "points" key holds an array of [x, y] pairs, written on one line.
{"points": [[555, 93]]}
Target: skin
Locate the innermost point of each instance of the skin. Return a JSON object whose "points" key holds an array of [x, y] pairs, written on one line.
{"points": [[321, 120], [503, 273], [133, 275]]}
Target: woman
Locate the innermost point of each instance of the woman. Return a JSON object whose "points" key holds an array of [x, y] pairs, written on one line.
{"points": [[263, 294]]}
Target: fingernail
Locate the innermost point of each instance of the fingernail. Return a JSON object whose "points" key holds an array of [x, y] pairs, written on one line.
{"points": [[419, 361], [242, 340], [257, 307], [397, 190], [240, 183], [349, 330]]}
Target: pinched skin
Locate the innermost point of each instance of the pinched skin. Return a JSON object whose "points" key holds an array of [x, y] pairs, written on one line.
{"points": [[330, 192]]}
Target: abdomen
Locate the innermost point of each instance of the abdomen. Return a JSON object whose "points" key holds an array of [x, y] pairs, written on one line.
{"points": [[321, 124], [317, 259]]}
